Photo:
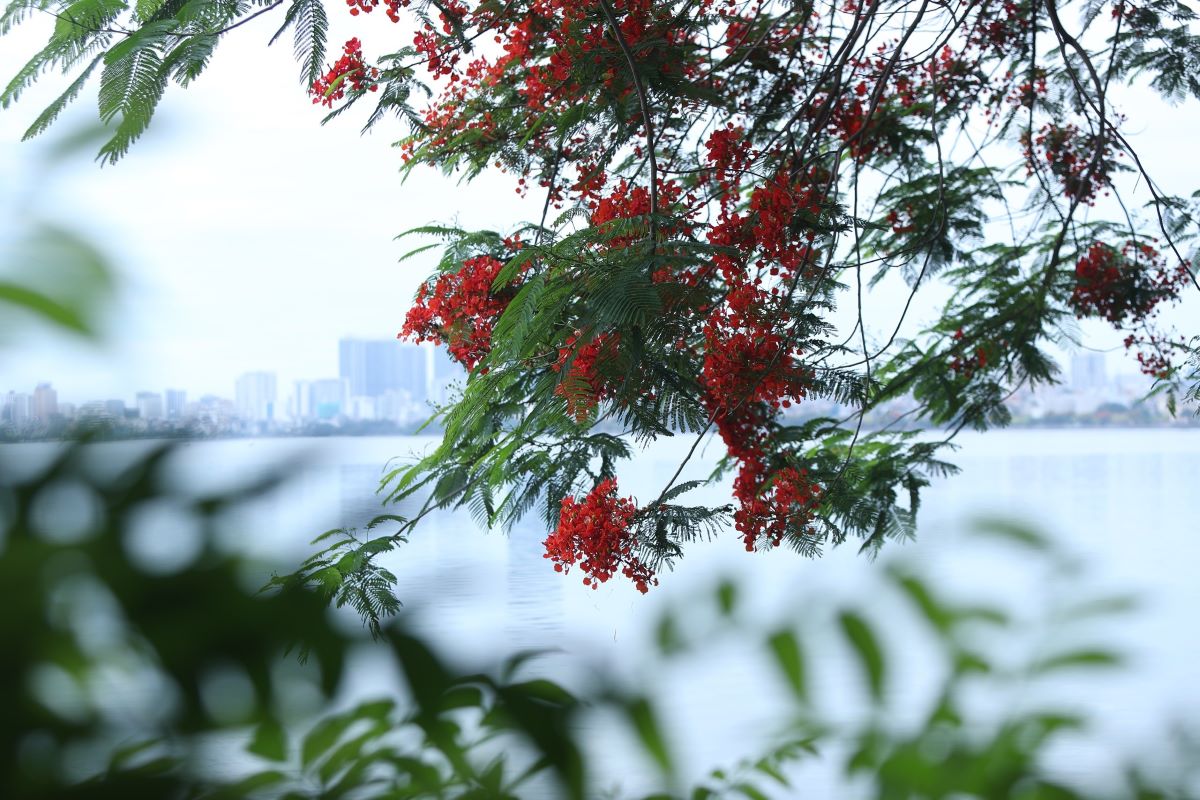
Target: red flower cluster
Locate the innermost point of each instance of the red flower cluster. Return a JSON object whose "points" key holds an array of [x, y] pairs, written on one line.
{"points": [[728, 156], [1074, 158], [459, 310], [348, 71], [968, 365], [965, 364], [1125, 285], [367, 6], [595, 535], [1027, 93], [852, 123], [583, 387], [626, 201], [776, 204], [556, 54], [1001, 32], [771, 504], [748, 362], [749, 374], [901, 222], [751, 370], [1152, 354]]}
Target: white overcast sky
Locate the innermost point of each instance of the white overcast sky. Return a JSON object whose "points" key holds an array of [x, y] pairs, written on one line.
{"points": [[250, 237]]}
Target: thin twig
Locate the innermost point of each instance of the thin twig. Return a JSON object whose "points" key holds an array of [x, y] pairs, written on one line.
{"points": [[647, 120]]}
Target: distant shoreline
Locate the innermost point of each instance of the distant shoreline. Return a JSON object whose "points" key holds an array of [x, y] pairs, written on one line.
{"points": [[1191, 422]]}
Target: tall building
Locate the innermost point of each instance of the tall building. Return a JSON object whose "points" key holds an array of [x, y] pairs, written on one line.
{"points": [[115, 408], [18, 408], [45, 402], [96, 409], [301, 403], [254, 396], [1087, 372], [150, 405], [328, 397], [363, 407], [176, 400], [215, 411], [373, 367], [325, 398]]}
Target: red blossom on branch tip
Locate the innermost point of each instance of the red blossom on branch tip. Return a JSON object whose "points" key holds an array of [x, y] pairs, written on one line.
{"points": [[583, 387], [772, 504], [459, 309], [367, 6], [1125, 285], [1080, 161], [594, 534], [349, 71]]}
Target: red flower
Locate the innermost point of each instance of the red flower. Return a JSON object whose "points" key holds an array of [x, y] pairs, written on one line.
{"points": [[595, 535], [459, 310], [348, 72], [771, 504], [583, 387], [1125, 285]]}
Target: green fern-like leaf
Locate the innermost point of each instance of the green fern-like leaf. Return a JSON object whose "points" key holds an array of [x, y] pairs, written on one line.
{"points": [[130, 87], [311, 25], [83, 18], [146, 9], [47, 117], [185, 63], [18, 11], [25, 78]]}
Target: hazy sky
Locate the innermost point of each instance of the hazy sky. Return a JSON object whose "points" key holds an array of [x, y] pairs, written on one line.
{"points": [[250, 237]]}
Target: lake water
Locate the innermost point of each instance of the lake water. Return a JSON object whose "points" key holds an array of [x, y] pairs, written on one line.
{"points": [[1124, 501]]}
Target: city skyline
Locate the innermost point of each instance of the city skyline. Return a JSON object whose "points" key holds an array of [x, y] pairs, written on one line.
{"points": [[70, 391], [1116, 365], [394, 382], [377, 380]]}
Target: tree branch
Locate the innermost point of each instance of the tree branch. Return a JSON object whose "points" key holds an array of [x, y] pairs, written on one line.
{"points": [[647, 120]]}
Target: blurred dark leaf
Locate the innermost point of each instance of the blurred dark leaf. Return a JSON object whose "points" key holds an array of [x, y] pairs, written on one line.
{"points": [[727, 595], [785, 648], [1076, 659], [646, 725], [1009, 531], [270, 741], [866, 647]]}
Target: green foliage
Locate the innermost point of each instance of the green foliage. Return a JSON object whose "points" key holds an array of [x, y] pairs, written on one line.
{"points": [[69, 291], [1158, 42], [345, 572], [47, 117], [489, 733], [131, 85], [919, 183], [311, 26], [142, 48]]}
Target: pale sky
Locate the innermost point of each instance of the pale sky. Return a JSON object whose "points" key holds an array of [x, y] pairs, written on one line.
{"points": [[249, 237]]}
